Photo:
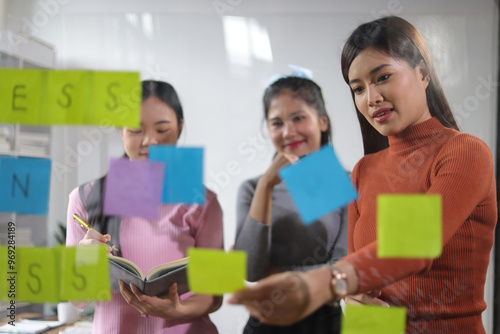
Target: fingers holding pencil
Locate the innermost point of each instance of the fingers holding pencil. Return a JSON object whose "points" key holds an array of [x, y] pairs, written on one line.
{"points": [[93, 237]]}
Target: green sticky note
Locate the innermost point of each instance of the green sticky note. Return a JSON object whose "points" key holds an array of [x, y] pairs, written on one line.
{"points": [[215, 272], [373, 319], [4, 275], [84, 273], [65, 96], [116, 99], [37, 275], [20, 92], [409, 226]]}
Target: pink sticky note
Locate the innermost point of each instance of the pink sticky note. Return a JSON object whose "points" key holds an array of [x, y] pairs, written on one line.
{"points": [[134, 188]]}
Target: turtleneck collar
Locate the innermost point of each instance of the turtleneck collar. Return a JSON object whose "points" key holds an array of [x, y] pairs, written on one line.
{"points": [[415, 136]]}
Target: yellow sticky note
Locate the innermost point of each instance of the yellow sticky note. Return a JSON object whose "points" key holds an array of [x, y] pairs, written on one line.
{"points": [[65, 97], [46, 97], [409, 226], [20, 92], [37, 275], [215, 272], [116, 99], [374, 320], [85, 273]]}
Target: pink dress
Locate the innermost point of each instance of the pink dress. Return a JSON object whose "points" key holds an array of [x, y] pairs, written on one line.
{"points": [[149, 243]]}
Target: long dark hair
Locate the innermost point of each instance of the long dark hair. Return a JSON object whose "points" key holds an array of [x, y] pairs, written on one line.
{"points": [[93, 202], [399, 39], [308, 91]]}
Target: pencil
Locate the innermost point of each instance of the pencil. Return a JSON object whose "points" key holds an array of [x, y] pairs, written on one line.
{"points": [[83, 223]]}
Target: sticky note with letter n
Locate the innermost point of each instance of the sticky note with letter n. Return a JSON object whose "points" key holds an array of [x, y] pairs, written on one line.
{"points": [[362, 319], [85, 273], [409, 225], [215, 272], [25, 185], [38, 276], [183, 182], [318, 184]]}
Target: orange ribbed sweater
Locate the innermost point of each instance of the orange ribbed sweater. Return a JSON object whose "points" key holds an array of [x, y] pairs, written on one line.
{"points": [[444, 295]]}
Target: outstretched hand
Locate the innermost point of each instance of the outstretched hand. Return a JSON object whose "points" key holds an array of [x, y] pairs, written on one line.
{"points": [[167, 306], [368, 298], [280, 299]]}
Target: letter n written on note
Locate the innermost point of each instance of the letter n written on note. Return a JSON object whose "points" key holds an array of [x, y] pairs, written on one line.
{"points": [[22, 184], [26, 183]]}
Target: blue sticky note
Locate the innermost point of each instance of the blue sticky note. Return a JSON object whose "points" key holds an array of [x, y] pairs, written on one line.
{"points": [[318, 184], [133, 188], [24, 184], [183, 173]]}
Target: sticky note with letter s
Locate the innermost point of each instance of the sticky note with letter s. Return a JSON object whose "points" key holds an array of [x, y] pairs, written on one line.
{"points": [[37, 275]]}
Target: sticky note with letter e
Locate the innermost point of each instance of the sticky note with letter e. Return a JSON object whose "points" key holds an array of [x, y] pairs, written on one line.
{"points": [[373, 319], [84, 273], [20, 93], [25, 184], [134, 188], [215, 272], [38, 278], [409, 225], [183, 182], [318, 184]]}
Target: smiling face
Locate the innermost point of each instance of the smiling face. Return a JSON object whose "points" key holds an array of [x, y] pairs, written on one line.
{"points": [[158, 126], [294, 126], [389, 92]]}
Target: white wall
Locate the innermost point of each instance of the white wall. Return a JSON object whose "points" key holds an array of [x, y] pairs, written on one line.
{"points": [[184, 42]]}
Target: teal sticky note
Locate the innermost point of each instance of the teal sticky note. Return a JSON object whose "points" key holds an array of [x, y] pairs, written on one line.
{"points": [[318, 184], [183, 181], [373, 319], [25, 185], [84, 273], [20, 93], [409, 226], [37, 275], [215, 272]]}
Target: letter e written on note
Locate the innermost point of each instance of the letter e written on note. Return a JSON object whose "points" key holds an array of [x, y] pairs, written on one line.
{"points": [[18, 94]]}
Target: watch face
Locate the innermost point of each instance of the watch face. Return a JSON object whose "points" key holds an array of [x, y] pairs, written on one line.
{"points": [[341, 286]]}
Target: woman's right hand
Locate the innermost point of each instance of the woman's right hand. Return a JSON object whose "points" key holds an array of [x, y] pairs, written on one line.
{"points": [[92, 237], [271, 176]]}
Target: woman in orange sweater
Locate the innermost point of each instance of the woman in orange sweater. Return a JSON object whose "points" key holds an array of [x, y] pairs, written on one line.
{"points": [[412, 145]]}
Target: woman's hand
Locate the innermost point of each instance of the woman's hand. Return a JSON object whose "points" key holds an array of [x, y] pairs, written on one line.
{"points": [[260, 208], [285, 298], [271, 176], [369, 298], [92, 237], [167, 306]]}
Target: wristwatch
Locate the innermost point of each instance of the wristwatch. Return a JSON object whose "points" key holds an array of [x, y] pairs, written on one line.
{"points": [[338, 285]]}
